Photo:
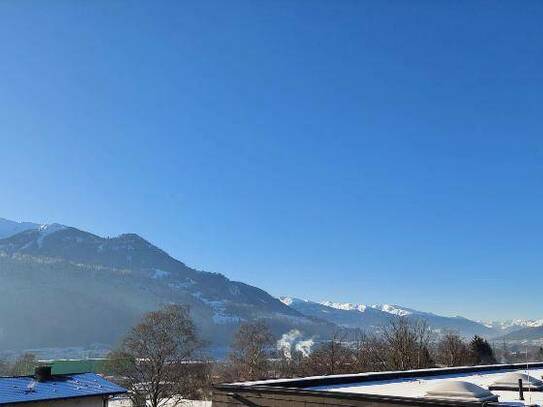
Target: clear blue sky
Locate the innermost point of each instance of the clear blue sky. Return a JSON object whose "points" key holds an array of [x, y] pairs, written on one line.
{"points": [[367, 151]]}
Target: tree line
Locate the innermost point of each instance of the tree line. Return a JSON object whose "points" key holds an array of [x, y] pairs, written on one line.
{"points": [[402, 344], [162, 358]]}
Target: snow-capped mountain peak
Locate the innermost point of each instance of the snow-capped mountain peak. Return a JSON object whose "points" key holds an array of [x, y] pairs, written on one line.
{"points": [[48, 229], [392, 309], [346, 306], [286, 300], [291, 300], [388, 308], [513, 324], [372, 318]]}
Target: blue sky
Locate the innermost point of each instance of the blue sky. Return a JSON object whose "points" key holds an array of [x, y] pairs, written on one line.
{"points": [[375, 152]]}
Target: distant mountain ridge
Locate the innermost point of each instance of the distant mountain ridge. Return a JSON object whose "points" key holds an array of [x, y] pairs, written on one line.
{"points": [[9, 228], [527, 334], [61, 286], [513, 325], [374, 317]]}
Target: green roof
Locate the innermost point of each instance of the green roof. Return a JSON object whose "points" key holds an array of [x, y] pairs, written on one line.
{"points": [[73, 366]]}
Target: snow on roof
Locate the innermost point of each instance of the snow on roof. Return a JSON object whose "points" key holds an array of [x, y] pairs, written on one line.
{"points": [[510, 381], [174, 402], [23, 389], [458, 390], [448, 384], [424, 386]]}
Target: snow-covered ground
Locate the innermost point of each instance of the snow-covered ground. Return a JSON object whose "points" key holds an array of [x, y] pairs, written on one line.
{"points": [[125, 402]]}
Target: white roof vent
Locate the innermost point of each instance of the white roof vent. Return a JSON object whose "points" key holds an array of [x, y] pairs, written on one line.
{"points": [[461, 391], [509, 381]]}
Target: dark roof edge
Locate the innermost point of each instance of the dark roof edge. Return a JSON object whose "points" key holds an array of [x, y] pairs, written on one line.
{"points": [[31, 376], [370, 376]]}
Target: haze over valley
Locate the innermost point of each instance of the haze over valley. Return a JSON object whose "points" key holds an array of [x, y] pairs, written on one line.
{"points": [[61, 287]]}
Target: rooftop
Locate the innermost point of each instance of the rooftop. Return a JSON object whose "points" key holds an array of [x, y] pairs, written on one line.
{"points": [[21, 389], [422, 385], [491, 383]]}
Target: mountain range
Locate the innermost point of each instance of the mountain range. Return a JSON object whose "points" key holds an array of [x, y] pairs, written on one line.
{"points": [[9, 228], [61, 286], [374, 317]]}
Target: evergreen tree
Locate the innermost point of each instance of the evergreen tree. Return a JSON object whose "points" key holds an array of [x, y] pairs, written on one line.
{"points": [[539, 356], [481, 352]]}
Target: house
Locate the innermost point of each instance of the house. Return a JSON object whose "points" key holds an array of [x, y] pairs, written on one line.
{"points": [[44, 389], [490, 385]]}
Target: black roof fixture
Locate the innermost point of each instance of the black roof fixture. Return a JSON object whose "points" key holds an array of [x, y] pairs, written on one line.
{"points": [[42, 373]]}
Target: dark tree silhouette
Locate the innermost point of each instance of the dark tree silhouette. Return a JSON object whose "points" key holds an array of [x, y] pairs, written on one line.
{"points": [[481, 352]]}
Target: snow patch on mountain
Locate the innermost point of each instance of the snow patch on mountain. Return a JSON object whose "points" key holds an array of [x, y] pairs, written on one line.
{"points": [[159, 274], [513, 324], [215, 304], [291, 300], [372, 317], [46, 230], [346, 306], [220, 315], [392, 309]]}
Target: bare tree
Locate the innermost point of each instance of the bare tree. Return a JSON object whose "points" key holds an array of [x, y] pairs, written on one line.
{"points": [[249, 358], [156, 358], [5, 368], [423, 343], [407, 344], [24, 364], [288, 363], [503, 354], [452, 350], [369, 353], [331, 357]]}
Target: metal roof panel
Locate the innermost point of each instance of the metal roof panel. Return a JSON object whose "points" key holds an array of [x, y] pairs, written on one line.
{"points": [[23, 389]]}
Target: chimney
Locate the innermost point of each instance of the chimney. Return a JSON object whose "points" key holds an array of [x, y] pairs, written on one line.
{"points": [[42, 373]]}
